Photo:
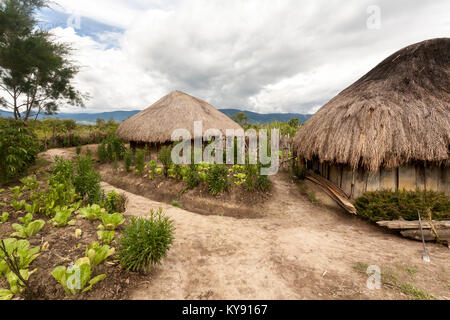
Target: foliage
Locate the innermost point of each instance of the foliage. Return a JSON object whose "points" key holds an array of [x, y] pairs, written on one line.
{"points": [[92, 212], [241, 118], [4, 218], [18, 205], [139, 160], [386, 205], [165, 157], [18, 149], [128, 160], [192, 176], [217, 179], [19, 251], [29, 227], [75, 278], [177, 204], [30, 182], [112, 221], [111, 148], [152, 166], [97, 254], [87, 180], [298, 171], [62, 172], [62, 217], [36, 70], [145, 242], [58, 195], [115, 202], [255, 181], [106, 237]]}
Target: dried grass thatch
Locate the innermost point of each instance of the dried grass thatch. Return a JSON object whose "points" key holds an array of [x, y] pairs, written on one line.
{"points": [[175, 111], [396, 114]]}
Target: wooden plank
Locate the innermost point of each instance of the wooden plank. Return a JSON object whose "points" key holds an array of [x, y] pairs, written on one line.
{"points": [[444, 235], [333, 191], [408, 225]]}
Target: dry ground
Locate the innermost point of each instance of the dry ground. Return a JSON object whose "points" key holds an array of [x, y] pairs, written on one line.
{"points": [[297, 250]]}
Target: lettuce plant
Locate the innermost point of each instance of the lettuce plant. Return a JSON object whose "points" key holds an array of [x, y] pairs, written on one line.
{"points": [[97, 254], [62, 217], [76, 278], [15, 284], [32, 208], [20, 251], [29, 227], [106, 237], [18, 205], [16, 191], [6, 295], [93, 212], [4, 218], [112, 221], [30, 182]]}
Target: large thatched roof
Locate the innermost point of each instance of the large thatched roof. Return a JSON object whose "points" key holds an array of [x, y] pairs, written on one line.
{"points": [[177, 110], [396, 114]]}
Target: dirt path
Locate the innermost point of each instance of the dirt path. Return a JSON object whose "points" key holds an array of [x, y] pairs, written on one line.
{"points": [[297, 251]]}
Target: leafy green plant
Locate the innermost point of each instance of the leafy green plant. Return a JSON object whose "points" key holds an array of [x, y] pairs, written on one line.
{"points": [[97, 253], [106, 237], [4, 218], [30, 182], [128, 159], [192, 178], [92, 212], [152, 166], [385, 205], [16, 283], [112, 221], [62, 217], [18, 251], [165, 157], [29, 228], [87, 181], [18, 205], [145, 242], [102, 153], [32, 208], [16, 192], [217, 179], [254, 179], [139, 160], [18, 149], [57, 195], [77, 278], [115, 202], [62, 172], [78, 150]]}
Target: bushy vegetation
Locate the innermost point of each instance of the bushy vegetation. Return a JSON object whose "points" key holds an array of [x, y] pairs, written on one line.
{"points": [[87, 180], [165, 157], [217, 179], [386, 205], [139, 160], [111, 149], [145, 242], [255, 181], [18, 149], [115, 202]]}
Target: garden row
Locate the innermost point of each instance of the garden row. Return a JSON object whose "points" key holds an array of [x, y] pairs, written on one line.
{"points": [[72, 191]]}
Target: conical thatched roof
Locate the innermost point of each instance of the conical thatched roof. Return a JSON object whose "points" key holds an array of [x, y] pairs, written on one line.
{"points": [[396, 114], [177, 110]]}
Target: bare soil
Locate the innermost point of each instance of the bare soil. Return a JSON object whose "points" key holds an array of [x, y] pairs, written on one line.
{"points": [[294, 250]]}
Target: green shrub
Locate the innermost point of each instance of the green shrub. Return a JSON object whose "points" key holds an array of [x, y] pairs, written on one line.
{"points": [[254, 181], [78, 150], [152, 166], [165, 157], [192, 177], [139, 160], [86, 180], [217, 179], [18, 149], [386, 205], [111, 148], [145, 242], [115, 202], [62, 172], [298, 171], [102, 154], [128, 160]]}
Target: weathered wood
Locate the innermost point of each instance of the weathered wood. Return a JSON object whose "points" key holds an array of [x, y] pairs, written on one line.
{"points": [[444, 235], [408, 225], [333, 191]]}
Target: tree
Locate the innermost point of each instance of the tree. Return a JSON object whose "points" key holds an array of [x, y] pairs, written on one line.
{"points": [[241, 118], [36, 73], [294, 122]]}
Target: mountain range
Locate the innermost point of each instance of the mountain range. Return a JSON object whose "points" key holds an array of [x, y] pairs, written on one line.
{"points": [[119, 116]]}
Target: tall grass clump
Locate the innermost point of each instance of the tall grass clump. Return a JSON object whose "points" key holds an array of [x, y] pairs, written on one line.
{"points": [[165, 157], [217, 179], [86, 180], [145, 242]]}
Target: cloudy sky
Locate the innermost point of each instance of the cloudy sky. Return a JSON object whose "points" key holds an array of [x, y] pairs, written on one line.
{"points": [[264, 56]]}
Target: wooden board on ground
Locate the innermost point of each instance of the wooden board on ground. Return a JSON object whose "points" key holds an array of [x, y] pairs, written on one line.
{"points": [[333, 191], [443, 235], [412, 225]]}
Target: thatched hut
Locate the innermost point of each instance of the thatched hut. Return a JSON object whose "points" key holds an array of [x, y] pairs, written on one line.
{"points": [[390, 129], [154, 126]]}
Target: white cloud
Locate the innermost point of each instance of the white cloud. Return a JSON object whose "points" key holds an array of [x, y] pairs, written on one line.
{"points": [[267, 56]]}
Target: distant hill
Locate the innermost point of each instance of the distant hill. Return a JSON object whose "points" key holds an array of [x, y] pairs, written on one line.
{"points": [[119, 116]]}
